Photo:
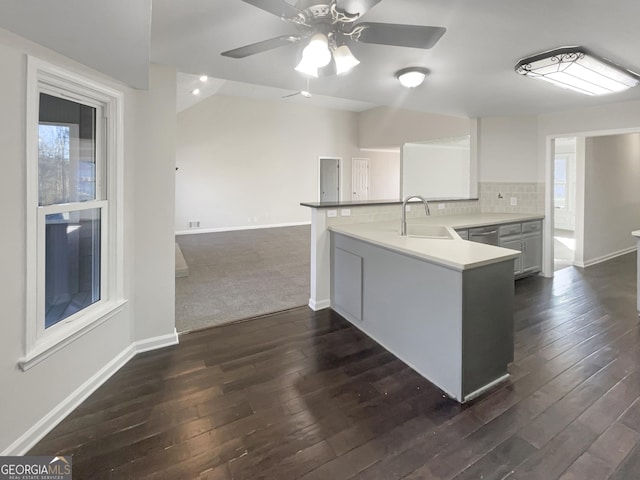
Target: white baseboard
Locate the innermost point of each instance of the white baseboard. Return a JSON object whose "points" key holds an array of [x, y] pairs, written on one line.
{"points": [[244, 227], [316, 305], [604, 258], [157, 342], [32, 436]]}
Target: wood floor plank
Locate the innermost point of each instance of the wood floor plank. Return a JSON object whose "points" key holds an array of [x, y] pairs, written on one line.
{"points": [[305, 395]]}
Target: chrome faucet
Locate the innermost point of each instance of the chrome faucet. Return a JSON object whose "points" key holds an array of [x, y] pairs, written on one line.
{"points": [[403, 230]]}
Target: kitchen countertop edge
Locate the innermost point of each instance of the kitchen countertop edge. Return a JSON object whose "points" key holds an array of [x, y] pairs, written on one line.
{"points": [[438, 251]]}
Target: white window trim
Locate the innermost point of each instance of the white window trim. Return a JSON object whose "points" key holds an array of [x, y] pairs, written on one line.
{"points": [[45, 77]]}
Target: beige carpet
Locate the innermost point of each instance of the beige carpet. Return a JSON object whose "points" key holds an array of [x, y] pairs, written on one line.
{"points": [[182, 269], [237, 275]]}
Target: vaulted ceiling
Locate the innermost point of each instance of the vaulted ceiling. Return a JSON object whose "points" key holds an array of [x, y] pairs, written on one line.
{"points": [[472, 66]]}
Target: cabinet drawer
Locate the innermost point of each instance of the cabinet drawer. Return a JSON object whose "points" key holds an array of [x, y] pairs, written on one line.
{"points": [[534, 226], [511, 229]]}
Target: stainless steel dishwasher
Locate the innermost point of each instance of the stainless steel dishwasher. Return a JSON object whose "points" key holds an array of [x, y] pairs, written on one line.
{"points": [[488, 235]]}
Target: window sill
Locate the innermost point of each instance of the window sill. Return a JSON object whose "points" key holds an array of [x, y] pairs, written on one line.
{"points": [[47, 346]]}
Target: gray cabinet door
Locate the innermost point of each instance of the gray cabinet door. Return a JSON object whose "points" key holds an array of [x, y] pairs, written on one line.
{"points": [[463, 233], [531, 252], [329, 180], [514, 243]]}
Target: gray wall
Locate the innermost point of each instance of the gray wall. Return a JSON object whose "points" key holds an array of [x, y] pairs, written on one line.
{"points": [[612, 195], [508, 149]]}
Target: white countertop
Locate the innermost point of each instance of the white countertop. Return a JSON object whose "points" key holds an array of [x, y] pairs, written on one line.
{"points": [[636, 233], [457, 254]]}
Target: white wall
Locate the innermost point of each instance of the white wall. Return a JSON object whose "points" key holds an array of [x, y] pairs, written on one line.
{"points": [[435, 171], [384, 174], [612, 195], [27, 397], [508, 149], [392, 127], [153, 187], [245, 162]]}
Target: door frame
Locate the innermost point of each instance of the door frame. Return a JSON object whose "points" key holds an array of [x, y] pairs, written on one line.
{"points": [[329, 157], [549, 210], [353, 177]]}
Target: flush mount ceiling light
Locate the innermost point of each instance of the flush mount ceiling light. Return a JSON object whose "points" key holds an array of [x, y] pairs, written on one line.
{"points": [[195, 91], [204, 78], [576, 69], [411, 77]]}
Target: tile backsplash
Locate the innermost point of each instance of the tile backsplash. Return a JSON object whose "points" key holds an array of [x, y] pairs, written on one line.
{"points": [[495, 197], [382, 213]]}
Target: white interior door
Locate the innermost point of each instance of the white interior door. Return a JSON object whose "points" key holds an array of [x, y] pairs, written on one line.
{"points": [[360, 178], [329, 179]]}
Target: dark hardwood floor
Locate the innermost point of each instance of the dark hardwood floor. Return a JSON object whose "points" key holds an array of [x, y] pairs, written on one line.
{"points": [[305, 395]]}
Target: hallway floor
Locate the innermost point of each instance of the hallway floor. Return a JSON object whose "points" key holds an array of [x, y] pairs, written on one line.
{"points": [[305, 395], [564, 248]]}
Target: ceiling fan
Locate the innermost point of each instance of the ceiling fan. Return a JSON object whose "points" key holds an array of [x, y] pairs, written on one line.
{"points": [[305, 93], [328, 27]]}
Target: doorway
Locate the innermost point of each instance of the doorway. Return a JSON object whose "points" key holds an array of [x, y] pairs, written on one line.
{"points": [[329, 179], [564, 202], [606, 196], [360, 178]]}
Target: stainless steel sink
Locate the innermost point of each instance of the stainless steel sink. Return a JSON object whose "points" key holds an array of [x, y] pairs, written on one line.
{"points": [[429, 231]]}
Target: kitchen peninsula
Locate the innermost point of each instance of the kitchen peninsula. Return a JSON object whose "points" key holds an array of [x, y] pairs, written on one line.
{"points": [[441, 304]]}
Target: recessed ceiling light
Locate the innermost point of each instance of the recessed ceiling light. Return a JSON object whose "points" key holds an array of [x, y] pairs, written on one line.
{"points": [[204, 78], [411, 77], [196, 91], [578, 70]]}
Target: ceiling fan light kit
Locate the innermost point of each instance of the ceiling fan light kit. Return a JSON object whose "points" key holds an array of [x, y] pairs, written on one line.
{"points": [[411, 77], [344, 59], [317, 51], [577, 69], [307, 67], [330, 27], [318, 54]]}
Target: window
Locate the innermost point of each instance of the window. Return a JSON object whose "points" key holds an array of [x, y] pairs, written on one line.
{"points": [[560, 182], [74, 259]]}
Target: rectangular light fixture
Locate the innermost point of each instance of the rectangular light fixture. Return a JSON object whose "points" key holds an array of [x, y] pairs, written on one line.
{"points": [[576, 69]]}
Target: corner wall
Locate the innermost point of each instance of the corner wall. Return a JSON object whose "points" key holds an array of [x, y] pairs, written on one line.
{"points": [[153, 187], [35, 400]]}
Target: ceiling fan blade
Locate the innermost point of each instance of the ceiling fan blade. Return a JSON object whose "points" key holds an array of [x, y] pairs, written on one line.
{"points": [[356, 7], [415, 36], [279, 8], [260, 47], [304, 93]]}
